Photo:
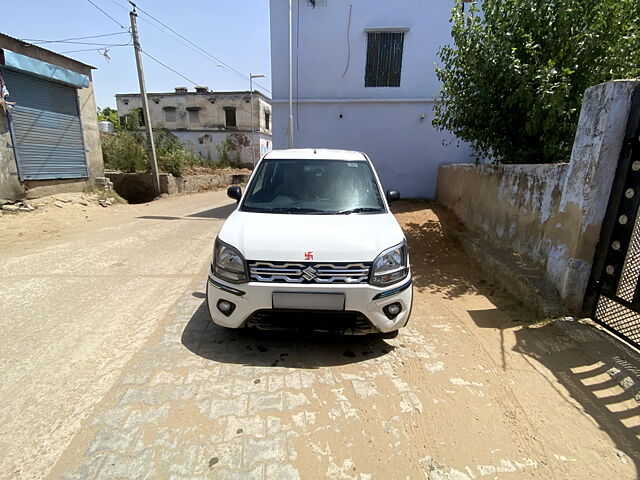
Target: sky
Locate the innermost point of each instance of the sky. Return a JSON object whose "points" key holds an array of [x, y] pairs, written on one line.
{"points": [[234, 31]]}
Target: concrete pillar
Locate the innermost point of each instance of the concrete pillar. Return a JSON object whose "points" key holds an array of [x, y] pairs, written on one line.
{"points": [[599, 137]]}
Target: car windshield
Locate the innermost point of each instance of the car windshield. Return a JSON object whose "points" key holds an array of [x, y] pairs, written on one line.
{"points": [[316, 187]]}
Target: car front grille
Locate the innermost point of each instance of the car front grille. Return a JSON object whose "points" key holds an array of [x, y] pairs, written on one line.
{"points": [[284, 272], [345, 322]]}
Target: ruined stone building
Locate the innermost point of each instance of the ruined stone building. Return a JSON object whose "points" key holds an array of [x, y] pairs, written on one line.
{"points": [[203, 119]]}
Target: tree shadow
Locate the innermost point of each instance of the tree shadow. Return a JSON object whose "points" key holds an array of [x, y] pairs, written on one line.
{"points": [[587, 362], [277, 349], [438, 261]]}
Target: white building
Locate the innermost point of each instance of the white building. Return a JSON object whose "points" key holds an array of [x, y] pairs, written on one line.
{"points": [[202, 119], [364, 79]]}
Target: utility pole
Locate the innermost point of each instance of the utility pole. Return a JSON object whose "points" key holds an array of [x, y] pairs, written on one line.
{"points": [[291, 73], [253, 137], [145, 103]]}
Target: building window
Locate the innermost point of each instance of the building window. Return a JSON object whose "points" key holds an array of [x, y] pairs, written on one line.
{"points": [[140, 117], [384, 59], [267, 120], [169, 115], [230, 116], [194, 115]]}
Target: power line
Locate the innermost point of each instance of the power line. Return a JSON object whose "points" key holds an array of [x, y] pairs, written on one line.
{"points": [[212, 57], [86, 43], [169, 68], [95, 49], [116, 21], [34, 40], [189, 44]]}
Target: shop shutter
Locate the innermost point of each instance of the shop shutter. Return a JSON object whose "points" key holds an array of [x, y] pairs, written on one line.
{"points": [[46, 124]]}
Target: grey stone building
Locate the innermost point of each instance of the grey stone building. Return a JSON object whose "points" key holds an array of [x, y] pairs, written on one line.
{"points": [[202, 119], [49, 140]]}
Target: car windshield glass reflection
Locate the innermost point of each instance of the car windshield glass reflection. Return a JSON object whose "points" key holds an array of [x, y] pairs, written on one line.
{"points": [[313, 187]]}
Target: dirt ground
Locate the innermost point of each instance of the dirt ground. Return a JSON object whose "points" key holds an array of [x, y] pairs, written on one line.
{"points": [[475, 387]]}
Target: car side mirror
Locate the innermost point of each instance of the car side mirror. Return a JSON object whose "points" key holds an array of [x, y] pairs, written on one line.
{"points": [[235, 192], [393, 195]]}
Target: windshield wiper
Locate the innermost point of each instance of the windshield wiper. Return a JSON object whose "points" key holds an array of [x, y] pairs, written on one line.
{"points": [[294, 210], [358, 210]]}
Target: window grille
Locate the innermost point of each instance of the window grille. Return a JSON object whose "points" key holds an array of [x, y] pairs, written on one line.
{"points": [[384, 59]]}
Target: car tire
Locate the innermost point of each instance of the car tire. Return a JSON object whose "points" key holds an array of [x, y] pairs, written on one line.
{"points": [[389, 335]]}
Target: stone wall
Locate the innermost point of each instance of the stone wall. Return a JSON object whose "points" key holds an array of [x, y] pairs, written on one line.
{"points": [[551, 215], [199, 183], [513, 206], [138, 187], [10, 186]]}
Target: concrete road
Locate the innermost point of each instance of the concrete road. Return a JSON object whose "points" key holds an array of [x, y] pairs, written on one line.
{"points": [[111, 369]]}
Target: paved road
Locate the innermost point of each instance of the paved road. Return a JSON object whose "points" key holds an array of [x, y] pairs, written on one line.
{"points": [[111, 369]]}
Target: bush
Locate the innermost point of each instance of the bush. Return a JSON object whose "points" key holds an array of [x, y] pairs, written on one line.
{"points": [[229, 153], [124, 152], [173, 157], [513, 83], [173, 163]]}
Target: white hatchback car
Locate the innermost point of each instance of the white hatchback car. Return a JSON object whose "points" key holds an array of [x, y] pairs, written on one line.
{"points": [[312, 244]]}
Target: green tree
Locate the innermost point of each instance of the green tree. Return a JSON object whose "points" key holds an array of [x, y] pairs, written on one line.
{"points": [[512, 83], [110, 115]]}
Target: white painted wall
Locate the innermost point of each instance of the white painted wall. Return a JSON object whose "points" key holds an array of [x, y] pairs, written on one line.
{"points": [[210, 140], [328, 82]]}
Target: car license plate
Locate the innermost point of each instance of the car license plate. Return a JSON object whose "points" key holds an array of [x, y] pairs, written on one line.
{"points": [[308, 301]]}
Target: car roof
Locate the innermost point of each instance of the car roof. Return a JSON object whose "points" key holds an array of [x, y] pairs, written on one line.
{"points": [[315, 154]]}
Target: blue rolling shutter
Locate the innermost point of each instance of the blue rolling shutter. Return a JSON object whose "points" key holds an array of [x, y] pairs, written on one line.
{"points": [[46, 124]]}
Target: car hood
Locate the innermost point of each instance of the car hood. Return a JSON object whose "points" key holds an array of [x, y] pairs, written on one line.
{"points": [[330, 238]]}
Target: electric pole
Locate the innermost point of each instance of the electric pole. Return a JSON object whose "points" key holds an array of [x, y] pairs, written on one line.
{"points": [[290, 137], [145, 104]]}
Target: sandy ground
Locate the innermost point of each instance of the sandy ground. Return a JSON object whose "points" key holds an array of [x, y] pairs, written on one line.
{"points": [[111, 368]]}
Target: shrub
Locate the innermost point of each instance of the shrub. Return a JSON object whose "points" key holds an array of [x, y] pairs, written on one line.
{"points": [[229, 153], [173, 157], [124, 152]]}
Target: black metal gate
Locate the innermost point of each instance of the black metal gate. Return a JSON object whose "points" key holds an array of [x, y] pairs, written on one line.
{"points": [[614, 287]]}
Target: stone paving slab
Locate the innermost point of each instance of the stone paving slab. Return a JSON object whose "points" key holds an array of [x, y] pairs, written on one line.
{"points": [[203, 402]]}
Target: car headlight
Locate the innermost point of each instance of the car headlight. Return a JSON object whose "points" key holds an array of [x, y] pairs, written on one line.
{"points": [[390, 266], [228, 263]]}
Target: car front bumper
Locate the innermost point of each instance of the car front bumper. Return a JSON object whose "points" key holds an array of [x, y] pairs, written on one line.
{"points": [[363, 298]]}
